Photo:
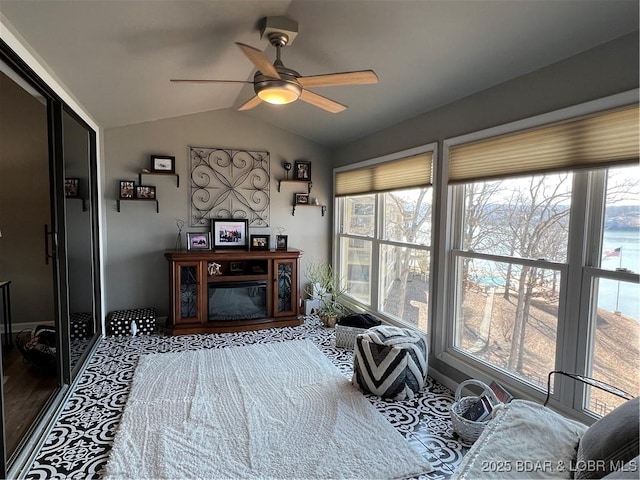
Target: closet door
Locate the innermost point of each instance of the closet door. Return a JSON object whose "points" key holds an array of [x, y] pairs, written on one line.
{"points": [[49, 252], [31, 377], [78, 152]]}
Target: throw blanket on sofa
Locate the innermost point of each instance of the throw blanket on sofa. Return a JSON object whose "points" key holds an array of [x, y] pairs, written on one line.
{"points": [[525, 440]]}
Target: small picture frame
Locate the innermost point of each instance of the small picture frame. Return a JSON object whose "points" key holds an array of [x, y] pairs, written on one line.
{"points": [[260, 242], [301, 198], [71, 187], [127, 189], [163, 164], [229, 233], [145, 192], [236, 267], [281, 242], [302, 170], [198, 241]]}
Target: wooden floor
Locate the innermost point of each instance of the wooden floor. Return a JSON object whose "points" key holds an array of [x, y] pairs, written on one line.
{"points": [[26, 390]]}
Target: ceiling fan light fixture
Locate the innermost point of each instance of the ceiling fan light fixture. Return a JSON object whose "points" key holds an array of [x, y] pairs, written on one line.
{"points": [[278, 92], [276, 84]]}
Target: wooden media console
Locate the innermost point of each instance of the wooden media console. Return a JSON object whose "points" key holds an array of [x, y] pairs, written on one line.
{"points": [[233, 290]]}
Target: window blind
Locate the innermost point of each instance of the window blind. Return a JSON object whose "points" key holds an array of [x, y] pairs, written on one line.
{"points": [[410, 172], [601, 139]]}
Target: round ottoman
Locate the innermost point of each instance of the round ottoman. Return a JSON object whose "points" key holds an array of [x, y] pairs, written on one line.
{"points": [[390, 362]]}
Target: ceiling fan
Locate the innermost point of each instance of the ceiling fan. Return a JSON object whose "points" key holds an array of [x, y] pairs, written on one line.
{"points": [[276, 84]]}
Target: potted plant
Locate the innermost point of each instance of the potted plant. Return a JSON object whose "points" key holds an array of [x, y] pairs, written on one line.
{"points": [[327, 288]]}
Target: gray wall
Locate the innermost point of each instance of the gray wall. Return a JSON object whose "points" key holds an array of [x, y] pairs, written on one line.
{"points": [[136, 271], [605, 70]]}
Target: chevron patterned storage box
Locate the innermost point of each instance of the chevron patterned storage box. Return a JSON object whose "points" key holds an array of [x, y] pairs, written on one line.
{"points": [[390, 362]]}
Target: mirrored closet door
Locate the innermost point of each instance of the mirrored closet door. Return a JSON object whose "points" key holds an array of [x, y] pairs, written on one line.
{"points": [[79, 161], [27, 274], [48, 255]]}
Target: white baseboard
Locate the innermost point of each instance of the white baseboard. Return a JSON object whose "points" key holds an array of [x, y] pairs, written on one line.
{"points": [[18, 327]]}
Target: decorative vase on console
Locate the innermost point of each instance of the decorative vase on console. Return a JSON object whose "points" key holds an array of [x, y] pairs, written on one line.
{"points": [[179, 224]]}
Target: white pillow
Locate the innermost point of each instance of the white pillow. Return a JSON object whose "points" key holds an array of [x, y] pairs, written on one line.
{"points": [[524, 440]]}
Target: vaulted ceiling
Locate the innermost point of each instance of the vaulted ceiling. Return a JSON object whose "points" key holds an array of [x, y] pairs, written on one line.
{"points": [[117, 57]]}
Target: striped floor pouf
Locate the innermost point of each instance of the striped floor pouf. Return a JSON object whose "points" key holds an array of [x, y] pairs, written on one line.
{"points": [[390, 362]]}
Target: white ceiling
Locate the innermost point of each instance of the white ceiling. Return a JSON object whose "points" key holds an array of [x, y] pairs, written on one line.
{"points": [[117, 57]]}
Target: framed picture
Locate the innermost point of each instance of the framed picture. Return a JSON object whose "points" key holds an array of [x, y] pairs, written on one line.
{"points": [[163, 164], [229, 233], [71, 187], [236, 267], [198, 241], [145, 192], [302, 170], [281, 242], [127, 189], [301, 198], [260, 242]]}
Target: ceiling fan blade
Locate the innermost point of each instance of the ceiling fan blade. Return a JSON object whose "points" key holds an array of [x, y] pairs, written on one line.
{"points": [[259, 59], [251, 103], [335, 79], [321, 102], [186, 80]]}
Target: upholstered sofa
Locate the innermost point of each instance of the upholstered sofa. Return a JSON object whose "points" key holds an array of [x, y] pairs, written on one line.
{"points": [[528, 440]]}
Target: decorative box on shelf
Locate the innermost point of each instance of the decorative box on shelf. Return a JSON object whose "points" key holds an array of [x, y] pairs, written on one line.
{"points": [[346, 336], [132, 322]]}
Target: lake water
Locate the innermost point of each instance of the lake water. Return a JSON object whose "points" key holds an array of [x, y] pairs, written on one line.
{"points": [[613, 296], [621, 296]]}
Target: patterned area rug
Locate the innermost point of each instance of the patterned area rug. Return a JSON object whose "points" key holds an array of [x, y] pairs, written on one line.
{"points": [[260, 411], [80, 443]]}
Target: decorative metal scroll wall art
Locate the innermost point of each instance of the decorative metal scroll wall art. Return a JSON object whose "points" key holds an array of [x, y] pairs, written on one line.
{"points": [[227, 183]]}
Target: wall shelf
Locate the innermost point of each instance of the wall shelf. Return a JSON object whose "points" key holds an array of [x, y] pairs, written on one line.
{"points": [[140, 174], [322, 207], [308, 182], [84, 202], [139, 200]]}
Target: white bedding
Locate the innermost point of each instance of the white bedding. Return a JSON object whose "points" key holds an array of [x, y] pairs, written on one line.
{"points": [[525, 440]]}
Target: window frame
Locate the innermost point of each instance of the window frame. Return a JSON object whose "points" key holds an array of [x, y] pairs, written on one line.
{"points": [[582, 266], [596, 184], [377, 240]]}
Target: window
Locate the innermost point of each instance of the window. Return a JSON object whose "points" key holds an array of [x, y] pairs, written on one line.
{"points": [[384, 235], [359, 224], [613, 354], [544, 248], [509, 272]]}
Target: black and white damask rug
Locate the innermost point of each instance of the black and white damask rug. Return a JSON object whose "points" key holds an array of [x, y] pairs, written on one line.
{"points": [[80, 443]]}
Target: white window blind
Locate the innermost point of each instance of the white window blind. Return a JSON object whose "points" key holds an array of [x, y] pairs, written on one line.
{"points": [[398, 174], [601, 139]]}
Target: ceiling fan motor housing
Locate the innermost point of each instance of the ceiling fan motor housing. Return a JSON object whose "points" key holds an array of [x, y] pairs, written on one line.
{"points": [[287, 84]]}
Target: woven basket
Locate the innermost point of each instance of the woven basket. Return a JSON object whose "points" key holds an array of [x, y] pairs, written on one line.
{"points": [[466, 429], [346, 336]]}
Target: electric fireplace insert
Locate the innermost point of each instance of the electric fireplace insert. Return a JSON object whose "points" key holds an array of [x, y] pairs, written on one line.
{"points": [[237, 300]]}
